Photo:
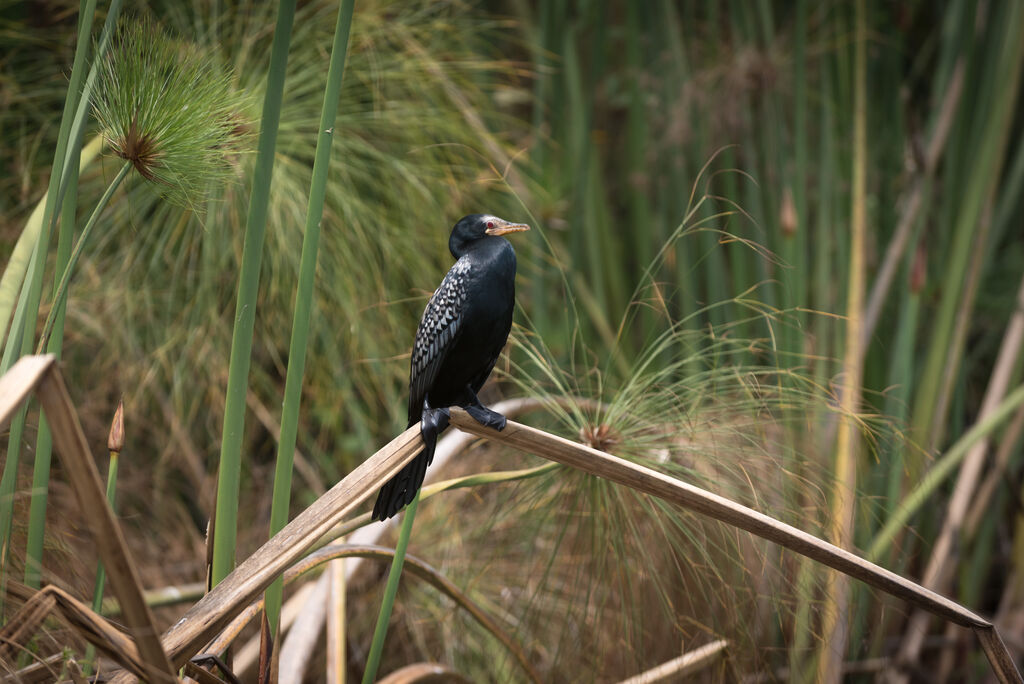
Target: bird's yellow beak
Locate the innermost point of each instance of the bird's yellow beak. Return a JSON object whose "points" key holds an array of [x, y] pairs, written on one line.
{"points": [[501, 227]]}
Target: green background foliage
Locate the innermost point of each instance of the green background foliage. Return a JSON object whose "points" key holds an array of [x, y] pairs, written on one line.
{"points": [[688, 172]]}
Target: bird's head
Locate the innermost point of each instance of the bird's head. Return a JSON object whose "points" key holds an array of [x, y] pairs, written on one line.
{"points": [[475, 227]]}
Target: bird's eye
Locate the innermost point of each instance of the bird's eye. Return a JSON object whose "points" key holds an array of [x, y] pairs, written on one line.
{"points": [[490, 224]]}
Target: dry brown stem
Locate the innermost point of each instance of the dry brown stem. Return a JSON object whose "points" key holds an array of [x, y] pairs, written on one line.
{"points": [[41, 374]]}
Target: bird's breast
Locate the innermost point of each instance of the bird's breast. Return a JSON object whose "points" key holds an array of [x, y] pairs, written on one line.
{"points": [[490, 288]]}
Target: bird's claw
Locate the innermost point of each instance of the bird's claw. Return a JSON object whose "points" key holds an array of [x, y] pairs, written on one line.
{"points": [[432, 423], [487, 417], [434, 419]]}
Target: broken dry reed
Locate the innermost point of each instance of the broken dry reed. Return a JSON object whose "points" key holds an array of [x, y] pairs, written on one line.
{"points": [[227, 599], [41, 375], [245, 583], [93, 627], [449, 448], [652, 482], [685, 665], [18, 630]]}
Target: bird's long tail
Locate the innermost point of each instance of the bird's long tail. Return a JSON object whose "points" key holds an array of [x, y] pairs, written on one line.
{"points": [[399, 491]]}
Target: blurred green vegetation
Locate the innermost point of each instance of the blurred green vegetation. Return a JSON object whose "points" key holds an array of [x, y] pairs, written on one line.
{"points": [[687, 170]]}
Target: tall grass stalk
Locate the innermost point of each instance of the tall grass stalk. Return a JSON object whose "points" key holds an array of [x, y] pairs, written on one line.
{"points": [[68, 148], [65, 146], [53, 345], [82, 112], [304, 297], [987, 135], [22, 255], [943, 467], [937, 575], [232, 435]]}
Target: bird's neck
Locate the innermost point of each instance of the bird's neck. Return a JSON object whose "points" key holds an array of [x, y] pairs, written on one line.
{"points": [[488, 245]]}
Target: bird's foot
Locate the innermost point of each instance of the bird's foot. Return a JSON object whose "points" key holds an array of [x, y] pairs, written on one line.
{"points": [[435, 419], [432, 423], [486, 416]]}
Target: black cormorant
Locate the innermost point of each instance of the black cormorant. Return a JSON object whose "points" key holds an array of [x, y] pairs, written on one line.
{"points": [[461, 334]]}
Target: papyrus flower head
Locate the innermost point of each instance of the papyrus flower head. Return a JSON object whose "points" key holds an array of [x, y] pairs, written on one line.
{"points": [[170, 110]]}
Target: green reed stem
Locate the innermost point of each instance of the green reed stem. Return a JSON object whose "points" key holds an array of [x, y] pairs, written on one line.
{"points": [[65, 263], [304, 298], [380, 632], [939, 471], [245, 309], [101, 572], [41, 466], [63, 177], [987, 144], [60, 294]]}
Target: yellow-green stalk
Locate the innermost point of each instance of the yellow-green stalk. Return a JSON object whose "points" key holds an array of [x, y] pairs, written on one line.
{"points": [[835, 627]]}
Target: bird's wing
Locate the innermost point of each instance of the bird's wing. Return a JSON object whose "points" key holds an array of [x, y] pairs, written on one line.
{"points": [[439, 328]]}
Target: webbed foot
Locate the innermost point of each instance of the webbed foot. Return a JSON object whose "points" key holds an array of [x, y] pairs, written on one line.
{"points": [[486, 416]]}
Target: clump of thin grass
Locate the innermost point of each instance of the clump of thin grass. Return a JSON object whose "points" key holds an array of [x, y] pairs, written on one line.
{"points": [[583, 567]]}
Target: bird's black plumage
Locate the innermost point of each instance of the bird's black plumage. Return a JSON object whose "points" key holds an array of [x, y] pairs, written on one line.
{"points": [[463, 330]]}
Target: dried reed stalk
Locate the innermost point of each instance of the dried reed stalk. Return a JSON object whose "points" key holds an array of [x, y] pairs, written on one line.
{"points": [[683, 666], [51, 600], [694, 498], [41, 374], [242, 586]]}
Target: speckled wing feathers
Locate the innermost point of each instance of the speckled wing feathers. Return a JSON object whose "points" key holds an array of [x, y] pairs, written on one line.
{"points": [[436, 335]]}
